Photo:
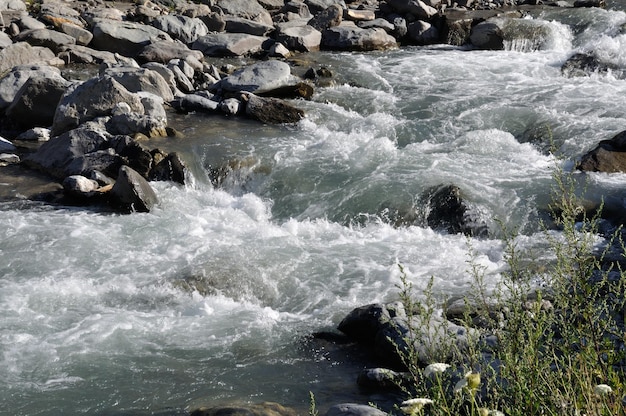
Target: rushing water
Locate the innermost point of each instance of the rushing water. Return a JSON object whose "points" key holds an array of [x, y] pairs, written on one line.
{"points": [[209, 298]]}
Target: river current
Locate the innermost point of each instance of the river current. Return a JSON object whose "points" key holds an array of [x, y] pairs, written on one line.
{"points": [[210, 298]]}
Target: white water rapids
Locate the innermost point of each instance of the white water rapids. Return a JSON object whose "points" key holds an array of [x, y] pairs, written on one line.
{"points": [[209, 298]]}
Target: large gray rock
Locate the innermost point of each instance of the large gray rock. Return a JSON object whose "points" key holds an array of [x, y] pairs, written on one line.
{"points": [[51, 39], [93, 98], [229, 44], [257, 78], [248, 9], [105, 161], [363, 323], [300, 38], [488, 34], [132, 192], [317, 6], [11, 83], [28, 22], [81, 35], [21, 53], [54, 156], [183, 28], [235, 24], [125, 38], [141, 80], [164, 51], [55, 13], [271, 110], [195, 102], [35, 103], [79, 54], [12, 5], [349, 37], [171, 168], [417, 8], [423, 33], [5, 40]]}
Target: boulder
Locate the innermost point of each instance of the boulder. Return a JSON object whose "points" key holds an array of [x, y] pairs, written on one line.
{"points": [[457, 31], [417, 8], [248, 9], [488, 35], [51, 39], [271, 110], [447, 210], [5, 40], [105, 161], [349, 37], [423, 33], [81, 35], [55, 13], [165, 72], [132, 192], [140, 80], [182, 80], [380, 23], [183, 28], [317, 6], [300, 38], [170, 168], [7, 159], [257, 78], [214, 22], [354, 409], [37, 134], [229, 44], [27, 22], [12, 5], [21, 53], [78, 54], [195, 102], [363, 323], [92, 14], [134, 154], [608, 156], [54, 156], [295, 10], [36, 101], [13, 81], [236, 24], [6, 146], [125, 38], [164, 51], [231, 106], [427, 339], [327, 18], [79, 185], [93, 98], [359, 15]]}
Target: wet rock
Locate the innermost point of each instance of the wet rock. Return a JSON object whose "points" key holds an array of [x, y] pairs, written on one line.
{"points": [[6, 146], [79, 185], [363, 323], [35, 102], [299, 90], [229, 44], [248, 9], [125, 38], [608, 156], [590, 3], [132, 192], [380, 379], [195, 102], [257, 78], [457, 30], [54, 156], [300, 38], [170, 168], [447, 210], [93, 98], [327, 18], [271, 110], [423, 33], [51, 39], [183, 28], [488, 35], [354, 409], [21, 53], [349, 37], [260, 409], [582, 64]]}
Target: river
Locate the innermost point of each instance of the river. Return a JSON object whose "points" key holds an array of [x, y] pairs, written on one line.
{"points": [[210, 298]]}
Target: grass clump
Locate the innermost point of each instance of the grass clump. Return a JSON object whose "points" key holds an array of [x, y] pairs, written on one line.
{"points": [[551, 336]]}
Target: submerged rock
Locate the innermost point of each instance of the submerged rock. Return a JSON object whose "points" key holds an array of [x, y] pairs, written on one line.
{"points": [[354, 409], [446, 209], [260, 409], [608, 156], [132, 192], [271, 110]]}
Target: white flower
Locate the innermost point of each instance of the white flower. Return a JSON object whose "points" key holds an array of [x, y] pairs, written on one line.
{"points": [[435, 368], [602, 390], [413, 406]]}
